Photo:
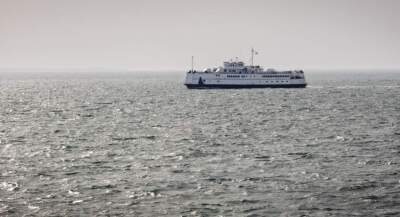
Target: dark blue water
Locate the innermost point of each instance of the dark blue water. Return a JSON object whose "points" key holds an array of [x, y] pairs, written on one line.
{"points": [[118, 144]]}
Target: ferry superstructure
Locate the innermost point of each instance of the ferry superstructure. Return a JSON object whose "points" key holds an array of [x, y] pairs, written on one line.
{"points": [[235, 74]]}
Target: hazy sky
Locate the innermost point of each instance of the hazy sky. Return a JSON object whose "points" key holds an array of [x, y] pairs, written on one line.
{"points": [[164, 34]]}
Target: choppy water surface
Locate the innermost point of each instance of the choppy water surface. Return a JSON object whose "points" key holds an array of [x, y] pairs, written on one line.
{"points": [[151, 147]]}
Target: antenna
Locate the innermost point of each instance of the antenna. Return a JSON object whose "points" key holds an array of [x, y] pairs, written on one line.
{"points": [[192, 62]]}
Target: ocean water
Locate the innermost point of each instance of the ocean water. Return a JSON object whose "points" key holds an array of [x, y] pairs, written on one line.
{"points": [[127, 145]]}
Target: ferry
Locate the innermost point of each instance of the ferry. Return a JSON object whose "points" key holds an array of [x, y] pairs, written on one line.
{"points": [[235, 74]]}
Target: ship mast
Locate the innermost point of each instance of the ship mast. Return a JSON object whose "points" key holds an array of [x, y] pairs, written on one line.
{"points": [[192, 63], [253, 52], [252, 57]]}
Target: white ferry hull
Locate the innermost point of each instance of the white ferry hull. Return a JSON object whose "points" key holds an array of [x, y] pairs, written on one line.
{"points": [[211, 80]]}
